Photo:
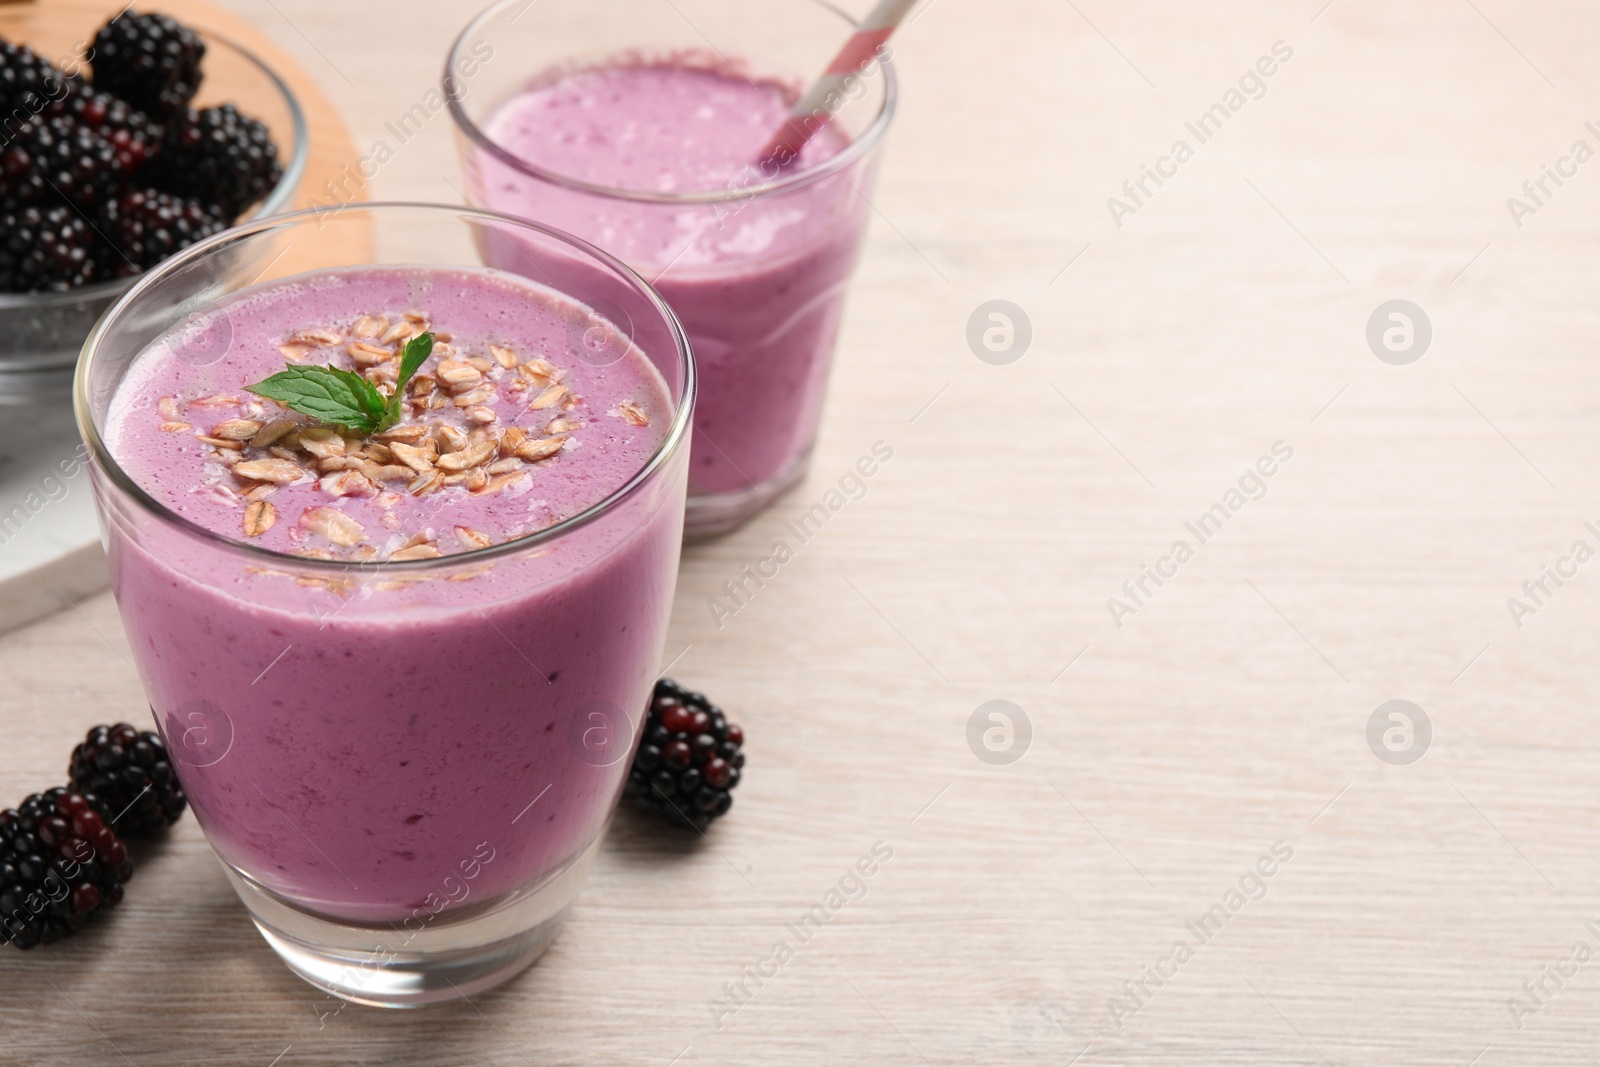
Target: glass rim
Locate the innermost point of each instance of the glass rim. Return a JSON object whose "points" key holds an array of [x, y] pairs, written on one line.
{"points": [[857, 149], [677, 430], [294, 169]]}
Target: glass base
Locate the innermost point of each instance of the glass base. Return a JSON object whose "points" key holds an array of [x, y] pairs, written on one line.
{"points": [[718, 513], [424, 960]]}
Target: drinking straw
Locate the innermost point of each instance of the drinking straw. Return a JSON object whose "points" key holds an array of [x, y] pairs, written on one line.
{"points": [[813, 110]]}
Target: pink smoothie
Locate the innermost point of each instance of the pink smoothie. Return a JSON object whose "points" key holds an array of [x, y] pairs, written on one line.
{"points": [[758, 282], [359, 738]]}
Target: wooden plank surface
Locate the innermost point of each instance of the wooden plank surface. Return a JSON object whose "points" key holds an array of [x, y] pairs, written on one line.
{"points": [[1407, 904]]}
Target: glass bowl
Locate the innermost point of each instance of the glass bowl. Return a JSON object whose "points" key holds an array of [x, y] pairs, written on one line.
{"points": [[41, 333]]}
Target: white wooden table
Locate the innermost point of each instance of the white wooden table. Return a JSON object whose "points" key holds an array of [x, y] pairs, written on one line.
{"points": [[1167, 755]]}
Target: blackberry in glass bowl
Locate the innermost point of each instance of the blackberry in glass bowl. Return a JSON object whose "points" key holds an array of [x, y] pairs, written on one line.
{"points": [[126, 143]]}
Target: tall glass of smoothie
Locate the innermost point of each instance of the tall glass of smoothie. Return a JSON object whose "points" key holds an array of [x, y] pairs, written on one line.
{"points": [[640, 126], [399, 654]]}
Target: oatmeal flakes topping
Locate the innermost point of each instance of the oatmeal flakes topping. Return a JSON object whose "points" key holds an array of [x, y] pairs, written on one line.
{"points": [[335, 525], [548, 398], [236, 429], [259, 516], [451, 439], [276, 470]]}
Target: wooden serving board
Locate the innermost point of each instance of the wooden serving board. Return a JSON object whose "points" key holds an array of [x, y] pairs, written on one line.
{"points": [[50, 549]]}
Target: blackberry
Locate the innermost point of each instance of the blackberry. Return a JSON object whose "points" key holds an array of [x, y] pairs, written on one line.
{"points": [[151, 61], [109, 263], [135, 135], [52, 157], [20, 185], [45, 248], [221, 156], [689, 758], [147, 225], [60, 866], [28, 82], [129, 778]]}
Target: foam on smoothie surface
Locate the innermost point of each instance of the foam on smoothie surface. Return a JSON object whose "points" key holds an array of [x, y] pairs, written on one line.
{"points": [[505, 430], [681, 123]]}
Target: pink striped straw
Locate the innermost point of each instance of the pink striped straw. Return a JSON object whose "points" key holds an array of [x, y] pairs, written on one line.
{"points": [[813, 110]]}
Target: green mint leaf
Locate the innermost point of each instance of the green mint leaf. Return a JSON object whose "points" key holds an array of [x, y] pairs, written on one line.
{"points": [[332, 394], [374, 403], [412, 357], [327, 393]]}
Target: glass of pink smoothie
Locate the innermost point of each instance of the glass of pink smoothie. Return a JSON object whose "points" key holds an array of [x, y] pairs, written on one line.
{"points": [[639, 125], [399, 669]]}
